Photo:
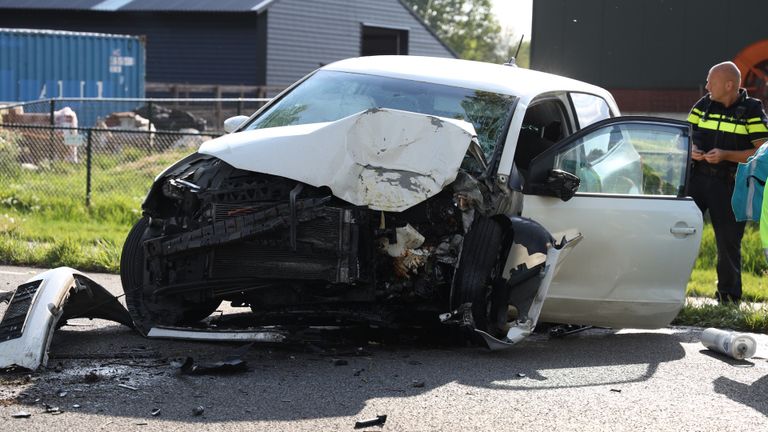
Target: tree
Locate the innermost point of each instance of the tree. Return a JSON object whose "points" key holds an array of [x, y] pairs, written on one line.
{"points": [[467, 26]]}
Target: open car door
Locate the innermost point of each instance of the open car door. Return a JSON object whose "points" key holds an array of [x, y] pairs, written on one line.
{"points": [[641, 233]]}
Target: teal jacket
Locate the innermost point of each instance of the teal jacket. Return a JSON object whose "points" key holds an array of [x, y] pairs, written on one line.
{"points": [[764, 223]]}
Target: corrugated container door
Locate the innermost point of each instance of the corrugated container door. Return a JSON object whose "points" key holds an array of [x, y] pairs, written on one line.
{"points": [[36, 64]]}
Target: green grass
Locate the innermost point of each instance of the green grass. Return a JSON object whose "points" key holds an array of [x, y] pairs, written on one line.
{"points": [[751, 316], [703, 283], [740, 318], [44, 221]]}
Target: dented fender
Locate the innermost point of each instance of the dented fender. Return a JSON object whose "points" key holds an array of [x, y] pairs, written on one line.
{"points": [[38, 306], [532, 261]]}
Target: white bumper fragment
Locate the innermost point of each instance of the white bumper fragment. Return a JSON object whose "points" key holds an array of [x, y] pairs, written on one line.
{"points": [[36, 307]]}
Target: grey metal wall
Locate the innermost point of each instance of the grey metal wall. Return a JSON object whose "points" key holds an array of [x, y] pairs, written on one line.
{"points": [[304, 34], [642, 44]]}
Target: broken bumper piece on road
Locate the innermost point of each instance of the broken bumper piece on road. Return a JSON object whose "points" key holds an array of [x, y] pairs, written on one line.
{"points": [[46, 301], [40, 305]]}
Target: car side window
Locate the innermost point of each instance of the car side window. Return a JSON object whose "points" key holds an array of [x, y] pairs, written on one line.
{"points": [[544, 125], [589, 109], [628, 159]]}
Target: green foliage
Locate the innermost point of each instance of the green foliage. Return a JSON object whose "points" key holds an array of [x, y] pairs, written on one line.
{"points": [[469, 27]]}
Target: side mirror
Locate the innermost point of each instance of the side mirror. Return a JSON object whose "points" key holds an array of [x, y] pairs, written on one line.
{"points": [[233, 123], [560, 184]]}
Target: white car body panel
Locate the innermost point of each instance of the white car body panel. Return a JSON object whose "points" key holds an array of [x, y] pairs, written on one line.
{"points": [[630, 270], [385, 159]]}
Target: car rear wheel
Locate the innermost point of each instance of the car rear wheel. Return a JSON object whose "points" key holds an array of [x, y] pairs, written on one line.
{"points": [[146, 310]]}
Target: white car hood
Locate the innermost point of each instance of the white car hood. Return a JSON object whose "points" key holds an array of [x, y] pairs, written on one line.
{"points": [[384, 159]]}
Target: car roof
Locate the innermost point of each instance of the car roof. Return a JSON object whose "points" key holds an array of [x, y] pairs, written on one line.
{"points": [[523, 83]]}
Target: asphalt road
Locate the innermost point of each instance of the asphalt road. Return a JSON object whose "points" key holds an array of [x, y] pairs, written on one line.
{"points": [[106, 377]]}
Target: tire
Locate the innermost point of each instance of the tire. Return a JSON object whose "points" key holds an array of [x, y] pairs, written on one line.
{"points": [[479, 256], [145, 312]]}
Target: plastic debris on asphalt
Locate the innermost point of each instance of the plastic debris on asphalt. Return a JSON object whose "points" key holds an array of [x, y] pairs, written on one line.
{"points": [[378, 421]]}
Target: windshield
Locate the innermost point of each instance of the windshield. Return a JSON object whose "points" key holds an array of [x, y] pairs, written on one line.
{"points": [[329, 96]]}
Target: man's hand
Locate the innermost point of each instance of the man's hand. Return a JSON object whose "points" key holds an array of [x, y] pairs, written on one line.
{"points": [[714, 156], [696, 154], [719, 155]]}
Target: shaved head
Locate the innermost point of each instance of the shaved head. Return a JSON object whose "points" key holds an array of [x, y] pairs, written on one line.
{"points": [[728, 71], [723, 82]]}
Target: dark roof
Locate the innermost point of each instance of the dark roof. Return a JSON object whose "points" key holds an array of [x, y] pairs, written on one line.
{"points": [[143, 5]]}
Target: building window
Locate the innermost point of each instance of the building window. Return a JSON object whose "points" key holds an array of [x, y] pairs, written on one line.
{"points": [[383, 41]]}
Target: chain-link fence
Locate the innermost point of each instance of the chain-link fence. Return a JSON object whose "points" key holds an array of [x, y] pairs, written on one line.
{"points": [[83, 166], [101, 152], [201, 114]]}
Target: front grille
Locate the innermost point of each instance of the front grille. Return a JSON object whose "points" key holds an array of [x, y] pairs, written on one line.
{"points": [[327, 249], [12, 325]]}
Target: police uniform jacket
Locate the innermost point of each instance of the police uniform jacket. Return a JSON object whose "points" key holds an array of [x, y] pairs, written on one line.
{"points": [[727, 128]]}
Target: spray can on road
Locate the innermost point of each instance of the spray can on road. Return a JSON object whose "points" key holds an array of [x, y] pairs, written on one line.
{"points": [[735, 345]]}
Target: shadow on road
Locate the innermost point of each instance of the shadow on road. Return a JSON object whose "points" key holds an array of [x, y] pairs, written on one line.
{"points": [[111, 371], [753, 395]]}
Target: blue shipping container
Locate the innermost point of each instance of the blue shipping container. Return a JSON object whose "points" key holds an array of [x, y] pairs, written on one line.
{"points": [[39, 64]]}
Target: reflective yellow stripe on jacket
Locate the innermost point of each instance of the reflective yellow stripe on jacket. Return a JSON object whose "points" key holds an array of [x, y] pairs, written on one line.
{"points": [[695, 116], [726, 123], [756, 125]]}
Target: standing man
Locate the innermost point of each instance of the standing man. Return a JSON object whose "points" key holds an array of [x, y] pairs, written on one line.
{"points": [[728, 126]]}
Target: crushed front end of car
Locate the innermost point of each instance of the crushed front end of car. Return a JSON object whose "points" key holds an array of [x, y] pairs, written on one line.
{"points": [[384, 217]]}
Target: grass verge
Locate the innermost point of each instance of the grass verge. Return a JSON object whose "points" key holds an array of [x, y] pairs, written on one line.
{"points": [[745, 317]]}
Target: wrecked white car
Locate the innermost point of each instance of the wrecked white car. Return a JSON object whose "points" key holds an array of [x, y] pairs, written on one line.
{"points": [[397, 190]]}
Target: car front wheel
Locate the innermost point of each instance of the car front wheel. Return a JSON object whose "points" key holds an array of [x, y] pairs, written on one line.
{"points": [[148, 310]]}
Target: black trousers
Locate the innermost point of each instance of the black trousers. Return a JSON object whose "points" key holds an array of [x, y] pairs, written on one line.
{"points": [[714, 193]]}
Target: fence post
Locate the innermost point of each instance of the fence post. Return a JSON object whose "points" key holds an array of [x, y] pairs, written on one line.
{"points": [[88, 164], [52, 135], [149, 114], [149, 127]]}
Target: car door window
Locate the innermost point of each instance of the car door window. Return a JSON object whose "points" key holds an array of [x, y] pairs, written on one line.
{"points": [[589, 108], [628, 159], [544, 124]]}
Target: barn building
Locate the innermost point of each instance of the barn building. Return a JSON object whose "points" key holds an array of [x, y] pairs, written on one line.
{"points": [[242, 47]]}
